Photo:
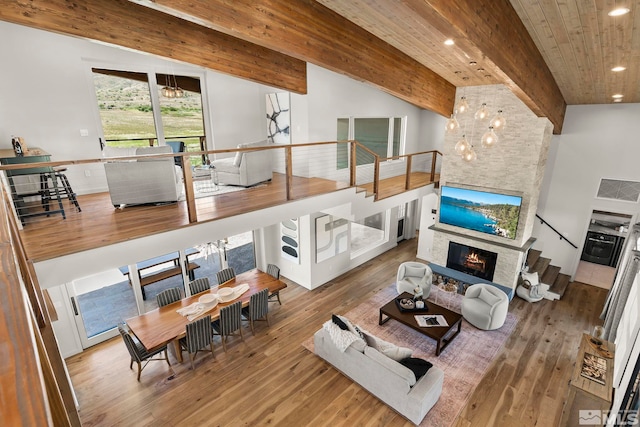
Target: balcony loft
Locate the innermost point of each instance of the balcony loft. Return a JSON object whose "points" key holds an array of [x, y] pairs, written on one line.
{"points": [[299, 172]]}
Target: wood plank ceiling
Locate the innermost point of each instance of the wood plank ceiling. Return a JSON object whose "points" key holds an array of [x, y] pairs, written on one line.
{"points": [[548, 52]]}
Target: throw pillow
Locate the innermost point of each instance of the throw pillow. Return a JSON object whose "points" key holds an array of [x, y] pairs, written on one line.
{"points": [[414, 271], [390, 350], [418, 366], [238, 158], [338, 321], [342, 339], [488, 297]]}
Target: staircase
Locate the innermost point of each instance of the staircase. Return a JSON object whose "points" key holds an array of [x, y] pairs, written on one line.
{"points": [[548, 274]]}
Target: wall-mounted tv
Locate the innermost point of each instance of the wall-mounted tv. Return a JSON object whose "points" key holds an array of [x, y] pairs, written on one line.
{"points": [[483, 211]]}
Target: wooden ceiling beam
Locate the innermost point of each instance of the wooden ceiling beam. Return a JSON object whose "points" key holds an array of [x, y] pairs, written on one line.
{"points": [[311, 32], [494, 28], [130, 25]]}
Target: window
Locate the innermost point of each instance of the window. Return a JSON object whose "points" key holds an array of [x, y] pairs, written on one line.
{"points": [[384, 136], [368, 233], [132, 116]]}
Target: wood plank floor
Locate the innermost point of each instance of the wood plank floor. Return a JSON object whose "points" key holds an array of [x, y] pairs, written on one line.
{"points": [[99, 224], [270, 379]]}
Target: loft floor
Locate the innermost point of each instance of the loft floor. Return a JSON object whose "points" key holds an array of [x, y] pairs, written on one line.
{"points": [[99, 224]]}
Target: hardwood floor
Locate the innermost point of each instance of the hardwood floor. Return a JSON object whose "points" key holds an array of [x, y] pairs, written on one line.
{"points": [[270, 379], [100, 224]]}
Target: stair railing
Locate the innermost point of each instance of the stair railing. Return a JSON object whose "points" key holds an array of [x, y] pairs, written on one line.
{"points": [[542, 221]]}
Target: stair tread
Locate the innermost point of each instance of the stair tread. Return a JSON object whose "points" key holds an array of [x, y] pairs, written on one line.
{"points": [[533, 256], [550, 275], [540, 266], [560, 285]]}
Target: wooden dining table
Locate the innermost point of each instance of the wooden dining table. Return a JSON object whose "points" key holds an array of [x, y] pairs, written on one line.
{"points": [[164, 325]]}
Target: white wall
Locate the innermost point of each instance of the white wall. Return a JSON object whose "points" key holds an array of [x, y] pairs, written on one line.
{"points": [[48, 96], [597, 141]]}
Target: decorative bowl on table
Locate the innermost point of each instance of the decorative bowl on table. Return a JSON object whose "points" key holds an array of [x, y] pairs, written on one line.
{"points": [[226, 294], [208, 299]]}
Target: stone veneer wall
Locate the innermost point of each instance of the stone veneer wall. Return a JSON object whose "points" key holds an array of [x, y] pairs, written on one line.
{"points": [[514, 166]]}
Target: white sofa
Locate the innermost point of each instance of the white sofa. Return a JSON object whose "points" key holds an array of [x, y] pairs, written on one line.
{"points": [[246, 168], [142, 181], [385, 378]]}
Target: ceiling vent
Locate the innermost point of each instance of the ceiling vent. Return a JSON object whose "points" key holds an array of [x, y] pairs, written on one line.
{"points": [[629, 191]]}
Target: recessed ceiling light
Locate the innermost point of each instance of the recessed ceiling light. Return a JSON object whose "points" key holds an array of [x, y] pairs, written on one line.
{"points": [[617, 96], [619, 68], [449, 42], [619, 11]]}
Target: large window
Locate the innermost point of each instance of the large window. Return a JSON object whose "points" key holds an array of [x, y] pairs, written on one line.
{"points": [[384, 136], [134, 110]]}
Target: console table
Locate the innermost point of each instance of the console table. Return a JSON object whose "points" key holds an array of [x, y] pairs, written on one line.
{"points": [[467, 278]]}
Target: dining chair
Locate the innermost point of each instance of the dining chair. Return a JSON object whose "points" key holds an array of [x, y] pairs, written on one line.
{"points": [[199, 285], [198, 336], [274, 271], [229, 323], [168, 296], [258, 308], [139, 353], [225, 275]]}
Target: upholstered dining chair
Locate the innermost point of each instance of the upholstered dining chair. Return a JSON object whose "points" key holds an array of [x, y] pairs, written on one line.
{"points": [[139, 353], [168, 296], [274, 270], [258, 308], [230, 322], [225, 275], [198, 336], [199, 285]]}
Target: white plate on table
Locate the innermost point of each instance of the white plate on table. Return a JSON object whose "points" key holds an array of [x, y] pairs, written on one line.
{"points": [[208, 299], [226, 294]]}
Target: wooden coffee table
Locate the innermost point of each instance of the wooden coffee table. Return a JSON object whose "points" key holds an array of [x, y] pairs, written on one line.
{"points": [[442, 334]]}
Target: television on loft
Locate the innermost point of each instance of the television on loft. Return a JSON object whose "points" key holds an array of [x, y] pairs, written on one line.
{"points": [[484, 211]]}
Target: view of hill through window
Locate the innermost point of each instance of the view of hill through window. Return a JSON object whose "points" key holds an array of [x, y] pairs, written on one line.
{"points": [[126, 112]]}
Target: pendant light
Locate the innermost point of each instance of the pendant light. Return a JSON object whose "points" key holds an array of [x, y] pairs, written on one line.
{"points": [[463, 106], [469, 155], [498, 122], [489, 139], [462, 146], [452, 124], [482, 113]]}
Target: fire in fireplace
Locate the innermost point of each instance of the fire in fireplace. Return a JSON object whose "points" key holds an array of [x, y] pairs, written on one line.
{"points": [[470, 260]]}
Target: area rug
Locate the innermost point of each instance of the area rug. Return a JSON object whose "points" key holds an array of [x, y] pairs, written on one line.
{"points": [[202, 189], [464, 362]]}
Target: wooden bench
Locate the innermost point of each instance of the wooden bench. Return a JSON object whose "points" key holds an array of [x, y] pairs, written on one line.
{"points": [[165, 274]]}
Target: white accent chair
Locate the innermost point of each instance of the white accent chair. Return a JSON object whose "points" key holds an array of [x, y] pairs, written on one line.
{"points": [[413, 274], [485, 306], [247, 167]]}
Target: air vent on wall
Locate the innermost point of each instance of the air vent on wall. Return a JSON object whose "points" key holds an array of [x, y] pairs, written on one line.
{"points": [[628, 191]]}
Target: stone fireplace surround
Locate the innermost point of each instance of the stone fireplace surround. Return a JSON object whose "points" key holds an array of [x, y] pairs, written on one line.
{"points": [[509, 262], [514, 166]]}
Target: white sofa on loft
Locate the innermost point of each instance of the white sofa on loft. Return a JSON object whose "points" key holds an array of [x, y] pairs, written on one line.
{"points": [[145, 180], [246, 168]]}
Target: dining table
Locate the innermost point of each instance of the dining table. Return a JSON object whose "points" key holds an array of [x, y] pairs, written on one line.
{"points": [[165, 325]]}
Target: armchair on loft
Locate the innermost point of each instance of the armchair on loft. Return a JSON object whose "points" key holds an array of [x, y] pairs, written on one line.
{"points": [[246, 168]]}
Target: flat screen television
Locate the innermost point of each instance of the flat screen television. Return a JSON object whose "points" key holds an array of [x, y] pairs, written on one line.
{"points": [[482, 211], [467, 259]]}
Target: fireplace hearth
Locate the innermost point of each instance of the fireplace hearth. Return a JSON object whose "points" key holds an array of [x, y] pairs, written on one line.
{"points": [[474, 261]]}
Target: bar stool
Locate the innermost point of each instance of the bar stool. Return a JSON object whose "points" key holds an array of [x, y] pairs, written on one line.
{"points": [[64, 187]]}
